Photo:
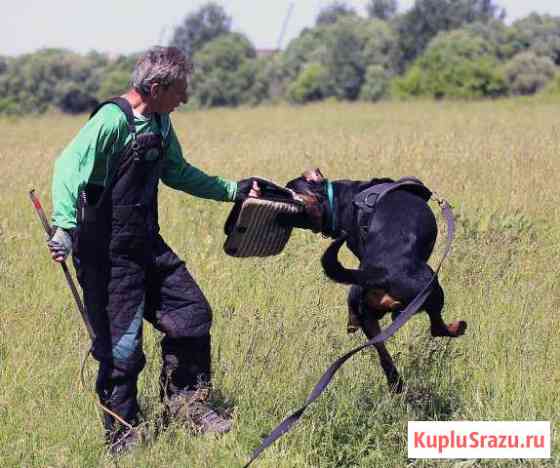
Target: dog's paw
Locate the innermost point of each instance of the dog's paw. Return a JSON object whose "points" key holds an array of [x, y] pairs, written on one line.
{"points": [[452, 330], [457, 328]]}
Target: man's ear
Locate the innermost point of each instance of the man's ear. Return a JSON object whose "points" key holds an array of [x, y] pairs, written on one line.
{"points": [[155, 89]]}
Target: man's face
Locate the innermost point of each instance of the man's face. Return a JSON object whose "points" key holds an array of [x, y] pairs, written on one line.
{"points": [[167, 98]]}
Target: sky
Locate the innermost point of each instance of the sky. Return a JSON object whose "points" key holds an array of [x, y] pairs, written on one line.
{"points": [[125, 26]]}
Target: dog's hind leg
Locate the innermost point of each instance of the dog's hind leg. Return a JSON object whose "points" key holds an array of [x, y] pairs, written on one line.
{"points": [[370, 326], [407, 286], [354, 309], [433, 306], [360, 316]]}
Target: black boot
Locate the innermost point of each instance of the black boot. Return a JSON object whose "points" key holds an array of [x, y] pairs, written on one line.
{"points": [[185, 385], [122, 439], [192, 409], [117, 396]]}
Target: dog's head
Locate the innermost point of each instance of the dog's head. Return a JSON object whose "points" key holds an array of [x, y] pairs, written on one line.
{"points": [[310, 182], [309, 188]]}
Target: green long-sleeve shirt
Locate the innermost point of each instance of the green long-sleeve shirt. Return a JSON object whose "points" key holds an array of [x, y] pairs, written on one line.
{"points": [[85, 160]]}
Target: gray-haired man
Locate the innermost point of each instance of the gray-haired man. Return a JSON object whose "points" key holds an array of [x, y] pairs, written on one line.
{"points": [[105, 210]]}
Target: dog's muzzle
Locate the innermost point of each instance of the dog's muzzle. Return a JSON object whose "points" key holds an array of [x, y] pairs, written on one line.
{"points": [[253, 230]]}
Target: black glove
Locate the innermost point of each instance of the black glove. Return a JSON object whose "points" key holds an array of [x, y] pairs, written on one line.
{"points": [[268, 190], [244, 186]]}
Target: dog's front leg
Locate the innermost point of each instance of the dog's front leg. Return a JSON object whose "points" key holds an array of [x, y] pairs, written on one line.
{"points": [[433, 306], [371, 328]]}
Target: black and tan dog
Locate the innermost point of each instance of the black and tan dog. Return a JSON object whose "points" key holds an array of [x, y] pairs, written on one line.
{"points": [[393, 247]]}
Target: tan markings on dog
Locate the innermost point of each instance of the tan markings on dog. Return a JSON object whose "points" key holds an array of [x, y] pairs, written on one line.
{"points": [[457, 328], [377, 299], [378, 303], [313, 175], [313, 210]]}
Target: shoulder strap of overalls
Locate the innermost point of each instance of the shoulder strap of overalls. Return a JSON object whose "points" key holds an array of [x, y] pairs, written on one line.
{"points": [[124, 106], [126, 109]]}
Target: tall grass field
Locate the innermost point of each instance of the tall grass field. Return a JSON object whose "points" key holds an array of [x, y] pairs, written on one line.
{"points": [[278, 321]]}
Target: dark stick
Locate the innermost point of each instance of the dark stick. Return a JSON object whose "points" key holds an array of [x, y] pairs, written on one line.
{"points": [[49, 232]]}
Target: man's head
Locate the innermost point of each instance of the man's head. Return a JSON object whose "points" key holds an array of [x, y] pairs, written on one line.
{"points": [[161, 76]]}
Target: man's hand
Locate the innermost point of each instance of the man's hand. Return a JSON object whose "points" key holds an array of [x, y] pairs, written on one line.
{"points": [[60, 245], [247, 188]]}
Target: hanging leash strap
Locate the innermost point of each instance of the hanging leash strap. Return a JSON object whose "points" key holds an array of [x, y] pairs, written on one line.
{"points": [[387, 333]]}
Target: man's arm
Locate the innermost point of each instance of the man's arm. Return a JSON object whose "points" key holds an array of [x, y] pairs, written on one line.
{"points": [[84, 160], [180, 175]]}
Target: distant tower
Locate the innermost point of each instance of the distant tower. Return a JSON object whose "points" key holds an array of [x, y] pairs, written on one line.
{"points": [[284, 26]]}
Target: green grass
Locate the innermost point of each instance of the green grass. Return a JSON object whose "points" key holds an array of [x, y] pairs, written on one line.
{"points": [[278, 322]]}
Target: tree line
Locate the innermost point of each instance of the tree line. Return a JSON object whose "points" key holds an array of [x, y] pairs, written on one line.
{"points": [[439, 49]]}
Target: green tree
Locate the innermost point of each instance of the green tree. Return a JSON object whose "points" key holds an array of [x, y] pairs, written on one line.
{"points": [[333, 12], [376, 84], [456, 64], [309, 85], [344, 60], [380, 45], [528, 73], [199, 28], [539, 34], [382, 9], [413, 84], [269, 81], [3, 64], [51, 78], [115, 77], [113, 83], [502, 39], [224, 71], [429, 17], [345, 49], [308, 47]]}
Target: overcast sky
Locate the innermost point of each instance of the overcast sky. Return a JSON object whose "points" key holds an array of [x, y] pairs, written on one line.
{"points": [[124, 26]]}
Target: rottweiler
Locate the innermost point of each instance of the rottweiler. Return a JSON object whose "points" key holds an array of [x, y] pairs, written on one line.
{"points": [[392, 243]]}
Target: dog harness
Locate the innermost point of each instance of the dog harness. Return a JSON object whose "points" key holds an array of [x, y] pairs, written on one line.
{"points": [[366, 201]]}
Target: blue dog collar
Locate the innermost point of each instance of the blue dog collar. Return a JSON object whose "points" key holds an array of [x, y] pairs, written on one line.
{"points": [[330, 195]]}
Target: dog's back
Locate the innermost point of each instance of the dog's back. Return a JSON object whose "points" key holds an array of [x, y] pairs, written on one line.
{"points": [[401, 235], [402, 227]]}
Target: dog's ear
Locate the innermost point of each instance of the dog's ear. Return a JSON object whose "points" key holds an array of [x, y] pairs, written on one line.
{"points": [[313, 175]]}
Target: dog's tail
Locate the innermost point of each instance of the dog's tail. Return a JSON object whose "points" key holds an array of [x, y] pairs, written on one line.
{"points": [[334, 269]]}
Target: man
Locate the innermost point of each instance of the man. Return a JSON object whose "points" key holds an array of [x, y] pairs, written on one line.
{"points": [[105, 211]]}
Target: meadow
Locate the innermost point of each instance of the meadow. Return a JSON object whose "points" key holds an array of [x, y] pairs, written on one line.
{"points": [[278, 322]]}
